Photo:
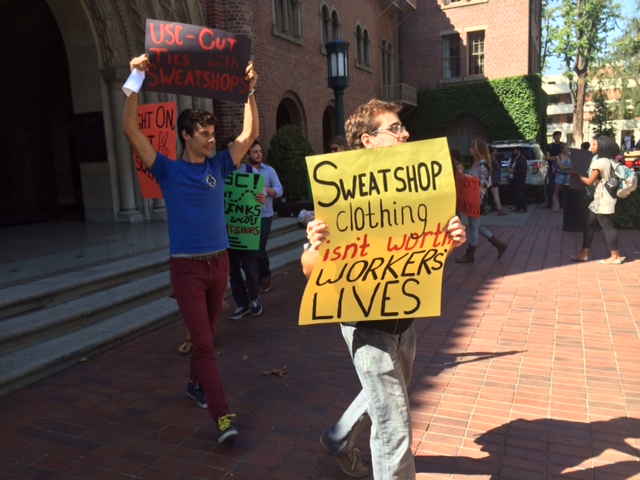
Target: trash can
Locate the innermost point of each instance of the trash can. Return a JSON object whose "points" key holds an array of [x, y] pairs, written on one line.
{"points": [[575, 208]]}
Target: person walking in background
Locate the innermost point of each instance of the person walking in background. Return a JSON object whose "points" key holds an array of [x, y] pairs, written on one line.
{"points": [[482, 171], [272, 189], [456, 161], [563, 175], [245, 290], [603, 206], [628, 142], [338, 144], [193, 189], [551, 153], [520, 167], [382, 351], [495, 182]]}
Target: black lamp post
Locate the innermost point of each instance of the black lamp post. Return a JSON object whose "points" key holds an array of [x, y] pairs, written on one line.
{"points": [[338, 63]]}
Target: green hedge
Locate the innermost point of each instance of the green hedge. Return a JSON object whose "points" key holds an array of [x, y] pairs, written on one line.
{"points": [[509, 108], [627, 215], [287, 151]]}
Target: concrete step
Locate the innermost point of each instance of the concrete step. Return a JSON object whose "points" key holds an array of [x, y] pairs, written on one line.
{"points": [[54, 322], [62, 287], [40, 359]]}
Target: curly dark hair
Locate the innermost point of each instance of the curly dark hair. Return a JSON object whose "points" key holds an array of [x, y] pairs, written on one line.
{"points": [[365, 120], [607, 147], [188, 119]]}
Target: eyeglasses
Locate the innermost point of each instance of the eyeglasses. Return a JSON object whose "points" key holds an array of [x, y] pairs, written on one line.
{"points": [[396, 129], [335, 149]]}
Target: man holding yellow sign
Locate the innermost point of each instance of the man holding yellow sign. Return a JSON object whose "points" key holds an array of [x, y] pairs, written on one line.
{"points": [[388, 248]]}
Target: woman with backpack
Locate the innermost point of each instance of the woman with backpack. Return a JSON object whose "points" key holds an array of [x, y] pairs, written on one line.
{"points": [[603, 206], [482, 171]]}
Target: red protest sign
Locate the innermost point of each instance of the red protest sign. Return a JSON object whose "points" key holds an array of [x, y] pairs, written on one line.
{"points": [[198, 61], [468, 195], [157, 121]]}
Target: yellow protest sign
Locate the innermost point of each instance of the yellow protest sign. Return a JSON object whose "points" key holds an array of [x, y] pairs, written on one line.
{"points": [[386, 209]]}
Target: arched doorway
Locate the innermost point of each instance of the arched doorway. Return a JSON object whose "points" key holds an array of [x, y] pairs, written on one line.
{"points": [[463, 131], [38, 150], [61, 147], [291, 112]]}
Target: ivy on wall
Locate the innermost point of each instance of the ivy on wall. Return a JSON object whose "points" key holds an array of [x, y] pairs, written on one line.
{"points": [[509, 108]]}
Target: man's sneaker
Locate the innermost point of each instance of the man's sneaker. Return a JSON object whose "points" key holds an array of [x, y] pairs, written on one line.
{"points": [[265, 284], [350, 463], [256, 307], [195, 391], [239, 312], [226, 431]]}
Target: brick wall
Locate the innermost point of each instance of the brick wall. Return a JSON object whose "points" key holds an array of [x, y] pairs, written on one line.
{"points": [[298, 71], [507, 38]]}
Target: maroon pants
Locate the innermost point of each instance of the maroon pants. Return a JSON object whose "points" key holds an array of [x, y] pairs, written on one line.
{"points": [[199, 287]]}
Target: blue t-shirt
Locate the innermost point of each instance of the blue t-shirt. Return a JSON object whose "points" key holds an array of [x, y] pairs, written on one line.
{"points": [[194, 194]]}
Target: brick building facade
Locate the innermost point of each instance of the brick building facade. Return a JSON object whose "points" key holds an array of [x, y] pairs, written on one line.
{"points": [[451, 41], [290, 58], [77, 158]]}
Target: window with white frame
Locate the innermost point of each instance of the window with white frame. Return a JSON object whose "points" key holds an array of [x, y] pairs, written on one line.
{"points": [[359, 46], [335, 25], [387, 66], [287, 18], [363, 47], [451, 55], [326, 25], [366, 47], [475, 45]]}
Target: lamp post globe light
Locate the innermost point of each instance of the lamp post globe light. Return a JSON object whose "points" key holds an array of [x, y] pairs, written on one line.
{"points": [[338, 79]]}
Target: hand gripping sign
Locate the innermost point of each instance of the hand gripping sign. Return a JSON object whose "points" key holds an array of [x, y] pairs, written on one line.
{"points": [[387, 209]]}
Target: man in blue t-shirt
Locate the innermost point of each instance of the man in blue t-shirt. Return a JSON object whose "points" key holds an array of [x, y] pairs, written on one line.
{"points": [[193, 189]]}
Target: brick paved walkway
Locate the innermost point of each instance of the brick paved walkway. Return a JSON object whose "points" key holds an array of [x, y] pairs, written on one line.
{"points": [[530, 373]]}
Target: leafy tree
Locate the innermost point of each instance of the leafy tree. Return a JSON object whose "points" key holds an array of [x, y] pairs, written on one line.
{"points": [[582, 43], [602, 115], [625, 67], [550, 30]]}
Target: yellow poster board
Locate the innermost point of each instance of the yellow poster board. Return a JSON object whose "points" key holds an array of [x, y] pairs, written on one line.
{"points": [[387, 209]]}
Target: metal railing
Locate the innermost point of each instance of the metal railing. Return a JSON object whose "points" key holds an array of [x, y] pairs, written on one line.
{"points": [[400, 93]]}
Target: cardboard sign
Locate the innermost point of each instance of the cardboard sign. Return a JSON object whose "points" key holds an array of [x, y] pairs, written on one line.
{"points": [[386, 209], [580, 161], [468, 195], [157, 121], [242, 211], [198, 61]]}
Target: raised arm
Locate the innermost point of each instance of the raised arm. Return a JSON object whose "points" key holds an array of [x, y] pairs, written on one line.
{"points": [[251, 128], [136, 138], [588, 181]]}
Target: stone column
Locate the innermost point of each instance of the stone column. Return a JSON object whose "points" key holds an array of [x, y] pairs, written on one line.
{"points": [[129, 211]]}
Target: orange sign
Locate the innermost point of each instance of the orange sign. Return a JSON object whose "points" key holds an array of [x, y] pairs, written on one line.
{"points": [[157, 121], [468, 195]]}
